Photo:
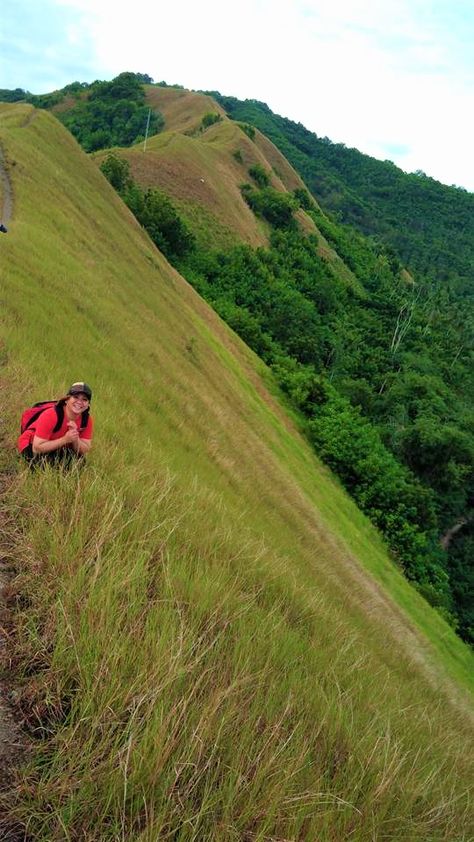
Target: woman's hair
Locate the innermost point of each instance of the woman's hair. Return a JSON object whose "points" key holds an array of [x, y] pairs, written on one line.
{"points": [[61, 403]]}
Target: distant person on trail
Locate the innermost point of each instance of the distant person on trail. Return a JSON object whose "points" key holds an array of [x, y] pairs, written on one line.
{"points": [[59, 433]]}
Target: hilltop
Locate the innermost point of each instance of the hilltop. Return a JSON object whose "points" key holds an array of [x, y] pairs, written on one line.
{"points": [[211, 641], [201, 159]]}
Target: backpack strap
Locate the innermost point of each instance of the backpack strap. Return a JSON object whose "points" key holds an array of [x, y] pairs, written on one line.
{"points": [[59, 407]]}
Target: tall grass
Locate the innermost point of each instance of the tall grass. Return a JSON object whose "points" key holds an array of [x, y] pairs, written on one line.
{"points": [[183, 687], [200, 650], [186, 689]]}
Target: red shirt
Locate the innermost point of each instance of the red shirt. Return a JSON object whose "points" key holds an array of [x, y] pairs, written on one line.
{"points": [[44, 425]]}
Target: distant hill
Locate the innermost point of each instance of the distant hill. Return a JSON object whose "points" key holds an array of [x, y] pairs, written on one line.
{"points": [[428, 224], [202, 168]]}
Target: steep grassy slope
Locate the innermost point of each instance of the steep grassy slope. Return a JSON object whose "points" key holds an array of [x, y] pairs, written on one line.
{"points": [[213, 642]]}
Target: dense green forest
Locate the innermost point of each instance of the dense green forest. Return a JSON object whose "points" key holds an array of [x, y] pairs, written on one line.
{"points": [[102, 114], [383, 375]]}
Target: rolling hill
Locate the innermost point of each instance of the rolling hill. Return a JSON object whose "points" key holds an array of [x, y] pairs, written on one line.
{"points": [[211, 641], [202, 168]]}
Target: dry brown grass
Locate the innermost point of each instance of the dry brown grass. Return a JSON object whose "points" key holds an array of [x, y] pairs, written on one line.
{"points": [[183, 110], [191, 171], [197, 169]]}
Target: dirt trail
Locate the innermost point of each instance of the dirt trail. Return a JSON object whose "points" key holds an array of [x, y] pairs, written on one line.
{"points": [[6, 190], [12, 745], [12, 740], [9, 730]]}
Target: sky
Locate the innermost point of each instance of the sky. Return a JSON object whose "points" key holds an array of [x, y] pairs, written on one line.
{"points": [[392, 78]]}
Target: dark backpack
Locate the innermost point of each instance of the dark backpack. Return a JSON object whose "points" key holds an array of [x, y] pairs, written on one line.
{"points": [[32, 414]]}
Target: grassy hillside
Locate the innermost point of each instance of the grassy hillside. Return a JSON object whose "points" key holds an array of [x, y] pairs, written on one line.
{"points": [[182, 110], [211, 641]]}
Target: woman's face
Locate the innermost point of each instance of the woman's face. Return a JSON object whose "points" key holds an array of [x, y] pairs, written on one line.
{"points": [[77, 403]]}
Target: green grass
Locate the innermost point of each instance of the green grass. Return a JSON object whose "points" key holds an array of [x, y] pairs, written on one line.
{"points": [[211, 641], [209, 232]]}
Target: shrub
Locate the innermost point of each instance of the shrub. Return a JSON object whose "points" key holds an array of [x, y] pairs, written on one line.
{"points": [[16, 95], [259, 175], [160, 219], [277, 208], [209, 120], [117, 171], [248, 129], [303, 198]]}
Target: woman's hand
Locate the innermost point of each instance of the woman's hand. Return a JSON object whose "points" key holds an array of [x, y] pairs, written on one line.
{"points": [[72, 433]]}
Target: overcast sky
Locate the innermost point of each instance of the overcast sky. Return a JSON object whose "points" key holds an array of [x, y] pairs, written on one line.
{"points": [[393, 78]]}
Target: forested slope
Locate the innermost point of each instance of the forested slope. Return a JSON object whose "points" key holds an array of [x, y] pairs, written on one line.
{"points": [[429, 225], [210, 640]]}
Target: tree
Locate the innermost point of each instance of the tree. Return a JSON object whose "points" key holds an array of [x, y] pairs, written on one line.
{"points": [[111, 114], [303, 198], [259, 175], [117, 171], [160, 219]]}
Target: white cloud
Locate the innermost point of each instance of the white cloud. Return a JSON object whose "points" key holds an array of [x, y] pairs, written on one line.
{"points": [[375, 74]]}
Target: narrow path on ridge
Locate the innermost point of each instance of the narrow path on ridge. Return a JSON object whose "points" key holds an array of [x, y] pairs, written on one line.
{"points": [[10, 732], [7, 191], [11, 738], [8, 728]]}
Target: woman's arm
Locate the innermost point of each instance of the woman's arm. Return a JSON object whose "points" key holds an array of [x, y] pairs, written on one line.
{"points": [[40, 445], [46, 445], [82, 446]]}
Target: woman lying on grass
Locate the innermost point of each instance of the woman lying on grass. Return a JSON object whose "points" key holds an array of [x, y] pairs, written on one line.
{"points": [[61, 433]]}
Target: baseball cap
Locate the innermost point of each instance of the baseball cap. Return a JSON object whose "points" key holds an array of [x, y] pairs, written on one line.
{"points": [[77, 388]]}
